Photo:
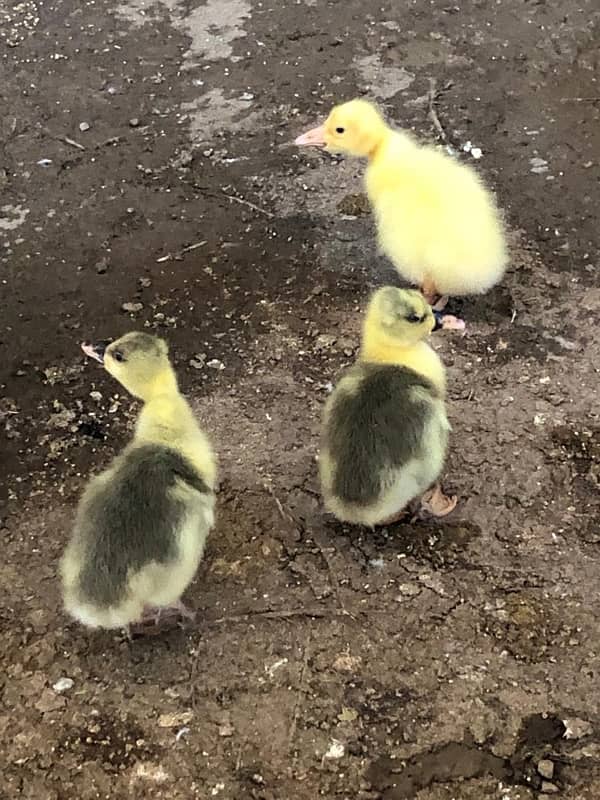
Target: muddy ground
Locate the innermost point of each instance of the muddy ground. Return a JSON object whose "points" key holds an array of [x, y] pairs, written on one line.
{"points": [[145, 160]]}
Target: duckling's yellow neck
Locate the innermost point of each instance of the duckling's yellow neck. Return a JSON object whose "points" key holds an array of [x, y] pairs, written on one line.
{"points": [[161, 385], [380, 142], [377, 348]]}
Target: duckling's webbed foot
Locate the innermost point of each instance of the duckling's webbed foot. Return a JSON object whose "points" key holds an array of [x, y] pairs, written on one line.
{"points": [[438, 504], [155, 618]]}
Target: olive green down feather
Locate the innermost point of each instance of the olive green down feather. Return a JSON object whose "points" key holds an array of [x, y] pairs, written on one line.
{"points": [[375, 425], [130, 518]]}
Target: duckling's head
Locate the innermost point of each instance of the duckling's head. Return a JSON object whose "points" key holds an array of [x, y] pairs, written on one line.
{"points": [[139, 361], [356, 128], [402, 317]]}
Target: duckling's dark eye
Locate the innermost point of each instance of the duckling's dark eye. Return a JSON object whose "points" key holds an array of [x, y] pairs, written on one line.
{"points": [[414, 318], [118, 355], [339, 130]]}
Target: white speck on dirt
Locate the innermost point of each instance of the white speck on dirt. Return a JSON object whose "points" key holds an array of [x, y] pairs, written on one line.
{"points": [[538, 165], [150, 772], [13, 217], [274, 667], [383, 81], [63, 685], [336, 749]]}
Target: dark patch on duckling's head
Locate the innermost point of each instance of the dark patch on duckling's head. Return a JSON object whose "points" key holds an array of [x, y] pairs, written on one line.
{"points": [[137, 360], [401, 314]]}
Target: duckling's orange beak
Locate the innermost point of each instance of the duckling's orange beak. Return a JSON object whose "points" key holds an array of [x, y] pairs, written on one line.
{"points": [[312, 138]]}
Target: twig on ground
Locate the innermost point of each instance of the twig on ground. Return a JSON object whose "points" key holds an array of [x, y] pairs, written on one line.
{"points": [[579, 99], [333, 580], [300, 691], [111, 140], [177, 256], [269, 613], [284, 514], [243, 202], [72, 142], [432, 112]]}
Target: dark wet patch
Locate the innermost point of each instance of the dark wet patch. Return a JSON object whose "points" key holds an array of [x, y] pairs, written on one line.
{"points": [[454, 761], [540, 734]]}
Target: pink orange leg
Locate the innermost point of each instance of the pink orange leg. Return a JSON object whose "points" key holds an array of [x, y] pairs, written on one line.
{"points": [[429, 291]]}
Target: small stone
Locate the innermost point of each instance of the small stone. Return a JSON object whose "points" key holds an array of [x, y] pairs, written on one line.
{"points": [[549, 788], [175, 720], [145, 283], [214, 363], [84, 126], [97, 396], [63, 685], [132, 308], [102, 266], [226, 729], [134, 122], [49, 701], [546, 768], [576, 728], [336, 749]]}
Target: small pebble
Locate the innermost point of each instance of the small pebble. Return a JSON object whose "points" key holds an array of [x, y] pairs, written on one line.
{"points": [[134, 122], [63, 685], [102, 266], [549, 788], [131, 308], [84, 126], [546, 768]]}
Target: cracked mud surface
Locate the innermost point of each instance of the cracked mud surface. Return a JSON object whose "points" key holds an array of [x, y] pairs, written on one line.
{"points": [[436, 661]]}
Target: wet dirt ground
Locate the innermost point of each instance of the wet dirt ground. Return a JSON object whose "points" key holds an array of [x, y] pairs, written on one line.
{"points": [[147, 181]]}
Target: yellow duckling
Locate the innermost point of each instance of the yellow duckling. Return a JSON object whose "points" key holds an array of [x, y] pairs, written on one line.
{"points": [[385, 429], [142, 524], [436, 221]]}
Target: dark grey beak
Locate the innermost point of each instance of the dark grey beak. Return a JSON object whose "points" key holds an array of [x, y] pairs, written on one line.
{"points": [[96, 350], [438, 315]]}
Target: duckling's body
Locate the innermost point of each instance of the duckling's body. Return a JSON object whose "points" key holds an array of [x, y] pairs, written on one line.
{"points": [[142, 524], [436, 221], [385, 430]]}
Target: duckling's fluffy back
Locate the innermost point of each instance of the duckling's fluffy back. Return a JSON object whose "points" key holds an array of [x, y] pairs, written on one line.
{"points": [[139, 536], [384, 442], [435, 218]]}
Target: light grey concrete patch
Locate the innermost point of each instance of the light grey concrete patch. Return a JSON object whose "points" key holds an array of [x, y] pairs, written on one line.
{"points": [[213, 112], [212, 26], [381, 80], [419, 53], [139, 12]]}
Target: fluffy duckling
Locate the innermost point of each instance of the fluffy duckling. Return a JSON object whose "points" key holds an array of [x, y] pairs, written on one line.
{"points": [[142, 524], [436, 221], [385, 429]]}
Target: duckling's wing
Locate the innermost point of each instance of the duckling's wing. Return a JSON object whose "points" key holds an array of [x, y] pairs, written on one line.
{"points": [[131, 517], [376, 426]]}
